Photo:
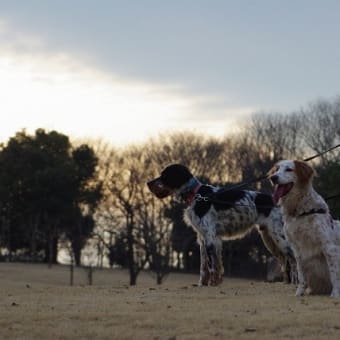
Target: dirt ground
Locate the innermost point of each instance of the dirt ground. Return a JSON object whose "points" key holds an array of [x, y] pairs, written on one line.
{"points": [[38, 303]]}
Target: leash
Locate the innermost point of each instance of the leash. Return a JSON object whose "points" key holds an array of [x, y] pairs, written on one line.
{"points": [[263, 177], [208, 198], [241, 185], [332, 197], [321, 153]]}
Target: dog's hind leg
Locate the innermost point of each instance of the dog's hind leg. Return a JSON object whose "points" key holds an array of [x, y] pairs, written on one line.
{"points": [[219, 261], [291, 266], [331, 253], [288, 264], [214, 252]]}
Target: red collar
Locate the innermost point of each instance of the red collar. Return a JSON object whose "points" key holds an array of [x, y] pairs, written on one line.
{"points": [[192, 194]]}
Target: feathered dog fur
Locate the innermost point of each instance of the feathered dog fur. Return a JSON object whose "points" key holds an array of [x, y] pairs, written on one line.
{"points": [[310, 229], [227, 214]]}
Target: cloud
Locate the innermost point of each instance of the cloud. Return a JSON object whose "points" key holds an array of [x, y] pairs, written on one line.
{"points": [[17, 41], [229, 55], [58, 90]]}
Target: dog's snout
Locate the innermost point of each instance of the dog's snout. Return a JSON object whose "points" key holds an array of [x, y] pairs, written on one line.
{"points": [[157, 187], [274, 179], [155, 183]]}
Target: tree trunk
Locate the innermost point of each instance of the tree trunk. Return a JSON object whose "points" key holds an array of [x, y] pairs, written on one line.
{"points": [[34, 223], [133, 267], [51, 251], [133, 277], [89, 275], [77, 252], [71, 271], [55, 250]]}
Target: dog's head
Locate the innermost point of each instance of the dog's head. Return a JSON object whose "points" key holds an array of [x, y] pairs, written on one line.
{"points": [[287, 174], [172, 178]]}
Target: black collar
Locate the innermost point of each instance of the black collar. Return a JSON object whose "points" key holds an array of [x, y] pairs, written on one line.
{"points": [[313, 211]]}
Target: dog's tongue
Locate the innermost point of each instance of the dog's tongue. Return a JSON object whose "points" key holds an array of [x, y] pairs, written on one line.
{"points": [[280, 191]]}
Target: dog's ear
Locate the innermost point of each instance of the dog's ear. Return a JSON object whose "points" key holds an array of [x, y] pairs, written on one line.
{"points": [[272, 170], [304, 172]]}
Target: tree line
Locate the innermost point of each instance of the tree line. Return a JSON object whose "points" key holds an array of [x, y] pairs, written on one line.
{"points": [[56, 194]]}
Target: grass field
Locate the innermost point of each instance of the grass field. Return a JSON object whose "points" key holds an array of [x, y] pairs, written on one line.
{"points": [[38, 303]]}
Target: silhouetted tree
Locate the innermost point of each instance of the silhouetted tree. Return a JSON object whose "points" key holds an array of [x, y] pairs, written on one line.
{"points": [[43, 188]]}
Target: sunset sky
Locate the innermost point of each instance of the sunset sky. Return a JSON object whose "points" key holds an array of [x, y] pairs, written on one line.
{"points": [[128, 70]]}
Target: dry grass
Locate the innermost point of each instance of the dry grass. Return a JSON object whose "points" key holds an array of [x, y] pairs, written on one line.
{"points": [[37, 303]]}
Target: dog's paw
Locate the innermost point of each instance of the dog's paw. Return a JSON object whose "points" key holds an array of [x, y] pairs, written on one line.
{"points": [[300, 291], [335, 293], [202, 283], [215, 278], [220, 280]]}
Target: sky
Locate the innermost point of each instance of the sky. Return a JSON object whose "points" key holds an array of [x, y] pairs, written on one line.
{"points": [[124, 71]]}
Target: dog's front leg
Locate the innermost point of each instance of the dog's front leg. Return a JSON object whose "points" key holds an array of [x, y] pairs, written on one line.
{"points": [[204, 269], [301, 277], [219, 261]]}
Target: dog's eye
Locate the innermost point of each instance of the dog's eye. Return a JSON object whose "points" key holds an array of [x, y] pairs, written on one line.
{"points": [[289, 169]]}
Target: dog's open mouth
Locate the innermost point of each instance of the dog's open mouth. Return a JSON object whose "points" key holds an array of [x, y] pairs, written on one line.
{"points": [[281, 190]]}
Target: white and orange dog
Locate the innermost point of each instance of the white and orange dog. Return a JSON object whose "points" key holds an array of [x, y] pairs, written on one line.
{"points": [[309, 227]]}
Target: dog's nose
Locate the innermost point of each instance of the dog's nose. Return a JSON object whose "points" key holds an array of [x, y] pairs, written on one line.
{"points": [[154, 183], [150, 184], [274, 179]]}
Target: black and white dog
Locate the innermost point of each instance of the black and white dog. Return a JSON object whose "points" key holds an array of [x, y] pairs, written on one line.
{"points": [[216, 214]]}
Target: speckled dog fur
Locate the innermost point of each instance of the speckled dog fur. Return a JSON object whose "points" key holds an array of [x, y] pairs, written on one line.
{"points": [[233, 222], [310, 229], [227, 214]]}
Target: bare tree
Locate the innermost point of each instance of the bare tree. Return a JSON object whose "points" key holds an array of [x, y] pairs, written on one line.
{"points": [[204, 156], [130, 216], [265, 139], [322, 127]]}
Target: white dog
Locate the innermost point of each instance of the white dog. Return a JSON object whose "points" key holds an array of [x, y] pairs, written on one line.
{"points": [[310, 229]]}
